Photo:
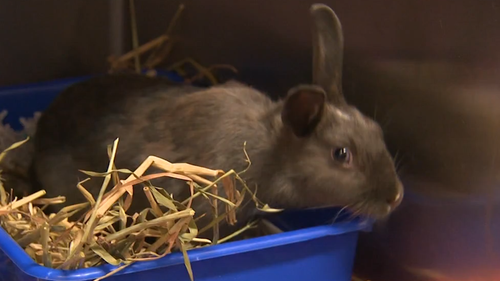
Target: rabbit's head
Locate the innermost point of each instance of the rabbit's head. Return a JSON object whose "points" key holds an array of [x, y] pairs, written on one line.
{"points": [[332, 154]]}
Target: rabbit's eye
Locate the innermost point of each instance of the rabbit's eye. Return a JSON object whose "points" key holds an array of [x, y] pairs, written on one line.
{"points": [[342, 155]]}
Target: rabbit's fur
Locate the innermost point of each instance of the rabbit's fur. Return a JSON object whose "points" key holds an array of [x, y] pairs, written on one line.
{"points": [[293, 144]]}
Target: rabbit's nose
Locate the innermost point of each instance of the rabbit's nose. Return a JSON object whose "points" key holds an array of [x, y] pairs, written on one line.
{"points": [[395, 201]]}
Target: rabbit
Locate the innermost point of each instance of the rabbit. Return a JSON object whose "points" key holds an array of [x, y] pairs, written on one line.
{"points": [[310, 149]]}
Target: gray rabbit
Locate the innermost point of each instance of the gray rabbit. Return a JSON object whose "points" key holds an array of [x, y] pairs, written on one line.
{"points": [[310, 149]]}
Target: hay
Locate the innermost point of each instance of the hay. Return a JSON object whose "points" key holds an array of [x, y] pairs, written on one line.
{"points": [[54, 241], [157, 51]]}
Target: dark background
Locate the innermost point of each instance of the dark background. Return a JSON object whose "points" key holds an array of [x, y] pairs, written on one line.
{"points": [[428, 71]]}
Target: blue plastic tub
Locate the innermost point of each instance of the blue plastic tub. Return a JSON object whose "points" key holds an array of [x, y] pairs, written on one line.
{"points": [[310, 248]]}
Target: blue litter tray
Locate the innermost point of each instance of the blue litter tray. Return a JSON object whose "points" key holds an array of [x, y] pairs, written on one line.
{"points": [[310, 248]]}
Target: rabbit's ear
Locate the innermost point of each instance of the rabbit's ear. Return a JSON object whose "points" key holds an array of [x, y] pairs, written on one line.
{"points": [[303, 109], [328, 52]]}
